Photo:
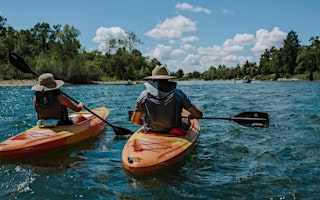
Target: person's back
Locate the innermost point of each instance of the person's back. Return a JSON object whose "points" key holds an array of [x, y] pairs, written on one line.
{"points": [[161, 104], [48, 107], [50, 102]]}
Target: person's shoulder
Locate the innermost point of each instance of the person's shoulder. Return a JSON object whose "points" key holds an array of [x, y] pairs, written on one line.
{"points": [[180, 93], [62, 97], [143, 95]]}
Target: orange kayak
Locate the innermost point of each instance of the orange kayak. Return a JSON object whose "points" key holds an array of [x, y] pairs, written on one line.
{"points": [[37, 140], [149, 153]]}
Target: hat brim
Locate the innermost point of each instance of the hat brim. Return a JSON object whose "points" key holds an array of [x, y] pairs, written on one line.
{"points": [[56, 85], [159, 77]]}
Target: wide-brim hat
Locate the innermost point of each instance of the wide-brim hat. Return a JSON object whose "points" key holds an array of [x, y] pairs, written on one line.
{"points": [[46, 82], [159, 72]]}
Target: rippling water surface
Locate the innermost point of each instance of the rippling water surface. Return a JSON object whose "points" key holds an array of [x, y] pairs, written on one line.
{"points": [[229, 162]]}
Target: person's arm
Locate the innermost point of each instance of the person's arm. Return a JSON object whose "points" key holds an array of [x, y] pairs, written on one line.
{"points": [[136, 118], [195, 112], [67, 102]]}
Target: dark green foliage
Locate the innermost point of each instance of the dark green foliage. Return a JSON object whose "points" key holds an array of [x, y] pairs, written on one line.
{"points": [[57, 50]]}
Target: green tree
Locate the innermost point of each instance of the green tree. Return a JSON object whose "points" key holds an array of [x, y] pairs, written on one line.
{"points": [[41, 35], [132, 40], [265, 60], [290, 52], [178, 74]]}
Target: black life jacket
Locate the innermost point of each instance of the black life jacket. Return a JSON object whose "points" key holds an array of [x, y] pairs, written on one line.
{"points": [[48, 107]]}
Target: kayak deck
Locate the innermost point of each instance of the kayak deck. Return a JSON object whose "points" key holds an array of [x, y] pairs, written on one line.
{"points": [[38, 140], [150, 153]]}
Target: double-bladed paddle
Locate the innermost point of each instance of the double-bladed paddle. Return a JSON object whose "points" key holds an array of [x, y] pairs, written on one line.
{"points": [[249, 119], [20, 64]]}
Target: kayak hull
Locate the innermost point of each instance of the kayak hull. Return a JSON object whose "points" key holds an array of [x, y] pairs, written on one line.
{"points": [[151, 153], [37, 140]]}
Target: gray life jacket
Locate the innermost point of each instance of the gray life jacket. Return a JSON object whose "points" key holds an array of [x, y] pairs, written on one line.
{"points": [[162, 107]]}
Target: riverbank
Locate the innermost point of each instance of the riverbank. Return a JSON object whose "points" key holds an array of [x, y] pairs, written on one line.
{"points": [[24, 82], [8, 83]]}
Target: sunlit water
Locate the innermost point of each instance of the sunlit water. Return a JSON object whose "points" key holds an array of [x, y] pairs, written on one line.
{"points": [[229, 162]]}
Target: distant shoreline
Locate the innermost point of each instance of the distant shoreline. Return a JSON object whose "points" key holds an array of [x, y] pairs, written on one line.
{"points": [[25, 82], [28, 82]]}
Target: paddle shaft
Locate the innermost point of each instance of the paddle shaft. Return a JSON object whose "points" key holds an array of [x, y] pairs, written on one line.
{"points": [[88, 109], [249, 119]]}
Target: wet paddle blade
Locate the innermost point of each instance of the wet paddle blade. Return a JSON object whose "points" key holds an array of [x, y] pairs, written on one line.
{"points": [[121, 131], [252, 119], [20, 64]]}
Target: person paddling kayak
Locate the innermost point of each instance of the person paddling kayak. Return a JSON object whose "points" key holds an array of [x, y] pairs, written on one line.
{"points": [[161, 104], [49, 101]]}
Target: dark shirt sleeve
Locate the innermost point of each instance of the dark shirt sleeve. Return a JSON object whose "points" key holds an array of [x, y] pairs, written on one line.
{"points": [[140, 99], [185, 100]]}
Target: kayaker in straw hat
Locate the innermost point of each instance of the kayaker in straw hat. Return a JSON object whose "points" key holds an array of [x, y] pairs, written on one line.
{"points": [[161, 104], [50, 103]]}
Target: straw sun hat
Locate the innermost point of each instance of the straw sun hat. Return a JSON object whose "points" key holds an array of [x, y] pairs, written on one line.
{"points": [[46, 82], [159, 72]]}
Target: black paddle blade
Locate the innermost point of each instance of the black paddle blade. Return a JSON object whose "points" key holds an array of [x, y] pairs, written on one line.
{"points": [[20, 64], [121, 131], [252, 119]]}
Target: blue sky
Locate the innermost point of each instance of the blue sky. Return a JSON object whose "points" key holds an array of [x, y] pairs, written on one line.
{"points": [[188, 35]]}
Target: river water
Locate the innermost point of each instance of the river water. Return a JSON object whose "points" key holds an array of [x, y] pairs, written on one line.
{"points": [[229, 162]]}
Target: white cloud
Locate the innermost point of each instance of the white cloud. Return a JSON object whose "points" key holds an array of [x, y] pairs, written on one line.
{"points": [[215, 50], [189, 39], [161, 52], [178, 52], [244, 39], [104, 35], [225, 11], [172, 28], [266, 40], [192, 59], [234, 51], [187, 47], [188, 7]]}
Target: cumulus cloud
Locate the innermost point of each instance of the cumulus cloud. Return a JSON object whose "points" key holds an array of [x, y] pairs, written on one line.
{"points": [[189, 39], [244, 39], [232, 52], [104, 35], [161, 52], [266, 40], [192, 59], [178, 52], [225, 11], [236, 51], [187, 47], [188, 7], [172, 28]]}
